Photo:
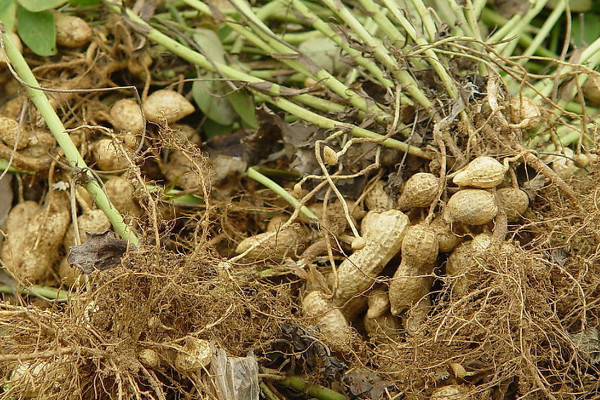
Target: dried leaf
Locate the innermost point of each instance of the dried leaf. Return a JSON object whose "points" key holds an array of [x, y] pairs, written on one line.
{"points": [[99, 252]]}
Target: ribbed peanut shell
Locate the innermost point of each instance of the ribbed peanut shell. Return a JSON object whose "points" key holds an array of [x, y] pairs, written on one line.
{"points": [[408, 286], [385, 324], [378, 302], [329, 319], [462, 263], [524, 111], [121, 193], [377, 198], [417, 314], [127, 116], [109, 155], [515, 202], [591, 90], [471, 207], [483, 172], [34, 237], [420, 190], [447, 240], [452, 392], [286, 242], [383, 232], [420, 245], [166, 105], [9, 130]]}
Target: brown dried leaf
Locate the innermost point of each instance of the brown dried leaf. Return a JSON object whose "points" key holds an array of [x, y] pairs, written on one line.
{"points": [[99, 252]]}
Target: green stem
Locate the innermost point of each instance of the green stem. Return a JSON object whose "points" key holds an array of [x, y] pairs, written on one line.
{"points": [[252, 173], [271, 44], [4, 166], [543, 33], [318, 391], [325, 29], [234, 74], [380, 52], [43, 291], [432, 57], [328, 123], [43, 106]]}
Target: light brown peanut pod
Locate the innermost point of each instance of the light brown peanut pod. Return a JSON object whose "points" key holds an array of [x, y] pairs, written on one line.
{"points": [[121, 193], [383, 232], [9, 130], [383, 325], [420, 190], [378, 320], [515, 202], [471, 207], [330, 156], [195, 355], [447, 240], [166, 105], [334, 218], [524, 112], [483, 172], [109, 155], [34, 237], [417, 314], [377, 198], [71, 31], [411, 281], [591, 90], [462, 263], [452, 392], [286, 242], [329, 319]]}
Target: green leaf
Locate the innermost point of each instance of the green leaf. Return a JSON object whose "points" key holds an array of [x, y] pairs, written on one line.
{"points": [[37, 31], [585, 32], [85, 3], [41, 5], [209, 96], [8, 14], [210, 44], [243, 104], [212, 129], [4, 4]]}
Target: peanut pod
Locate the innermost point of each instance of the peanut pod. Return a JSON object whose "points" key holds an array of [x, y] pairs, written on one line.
{"points": [[383, 232], [329, 319]]}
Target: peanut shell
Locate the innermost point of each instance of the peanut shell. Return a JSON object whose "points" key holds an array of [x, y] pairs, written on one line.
{"points": [[166, 105], [420, 190], [525, 111], [287, 242], [515, 202], [471, 207], [127, 116], [71, 31], [383, 232], [377, 198], [330, 320], [483, 172]]}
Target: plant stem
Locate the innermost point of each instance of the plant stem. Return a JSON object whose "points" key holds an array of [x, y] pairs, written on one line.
{"points": [[234, 74], [328, 123], [326, 30], [318, 391], [271, 44], [43, 291], [252, 173], [543, 33], [38, 97]]}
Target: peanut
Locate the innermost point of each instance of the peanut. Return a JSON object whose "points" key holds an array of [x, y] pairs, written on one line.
{"points": [[411, 283], [471, 207], [420, 190], [330, 320], [483, 172], [286, 242], [383, 233]]}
